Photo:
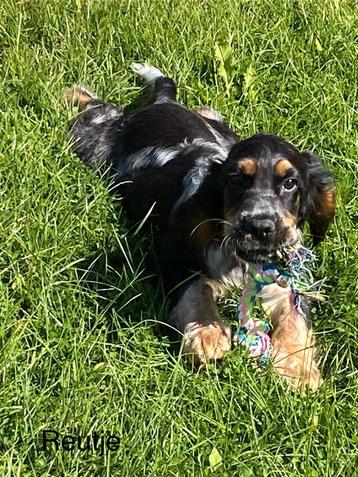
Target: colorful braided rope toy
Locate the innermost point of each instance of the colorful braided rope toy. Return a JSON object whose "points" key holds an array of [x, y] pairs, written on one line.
{"points": [[291, 271]]}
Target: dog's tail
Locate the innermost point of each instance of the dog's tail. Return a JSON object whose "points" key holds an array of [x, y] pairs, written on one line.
{"points": [[95, 128], [164, 88]]}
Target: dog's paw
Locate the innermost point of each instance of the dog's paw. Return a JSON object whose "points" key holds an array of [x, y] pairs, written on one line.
{"points": [[206, 342], [210, 113], [79, 95], [300, 371]]}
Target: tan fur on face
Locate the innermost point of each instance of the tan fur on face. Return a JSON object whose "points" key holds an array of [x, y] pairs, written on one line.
{"points": [[282, 167], [248, 166], [288, 220]]}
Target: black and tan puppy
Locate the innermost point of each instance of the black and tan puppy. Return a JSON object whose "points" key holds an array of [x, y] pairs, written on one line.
{"points": [[216, 203]]}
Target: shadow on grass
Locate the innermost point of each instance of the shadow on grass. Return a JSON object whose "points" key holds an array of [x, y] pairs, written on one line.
{"points": [[128, 290]]}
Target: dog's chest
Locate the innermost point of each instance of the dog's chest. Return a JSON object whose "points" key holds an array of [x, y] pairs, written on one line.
{"points": [[223, 267]]}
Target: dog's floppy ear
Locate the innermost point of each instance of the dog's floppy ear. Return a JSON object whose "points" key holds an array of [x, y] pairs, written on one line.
{"points": [[321, 197]]}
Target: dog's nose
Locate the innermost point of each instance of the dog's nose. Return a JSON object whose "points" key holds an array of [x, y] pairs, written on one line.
{"points": [[261, 229]]}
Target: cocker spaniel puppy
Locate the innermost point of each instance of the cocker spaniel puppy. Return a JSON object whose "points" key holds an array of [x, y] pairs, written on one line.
{"points": [[216, 203]]}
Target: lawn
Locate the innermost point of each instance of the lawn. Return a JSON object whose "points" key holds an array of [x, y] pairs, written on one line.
{"points": [[79, 336]]}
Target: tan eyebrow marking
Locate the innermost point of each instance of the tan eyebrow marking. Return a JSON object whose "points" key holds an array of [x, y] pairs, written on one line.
{"points": [[282, 167], [248, 166]]}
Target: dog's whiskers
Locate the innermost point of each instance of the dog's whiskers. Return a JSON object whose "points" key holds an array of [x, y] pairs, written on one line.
{"points": [[221, 221], [225, 242]]}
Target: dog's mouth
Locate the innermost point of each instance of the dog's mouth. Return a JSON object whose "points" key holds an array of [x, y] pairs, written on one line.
{"points": [[260, 255], [257, 256], [251, 250]]}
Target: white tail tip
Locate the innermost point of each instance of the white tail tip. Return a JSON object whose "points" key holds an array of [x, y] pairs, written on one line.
{"points": [[147, 72]]}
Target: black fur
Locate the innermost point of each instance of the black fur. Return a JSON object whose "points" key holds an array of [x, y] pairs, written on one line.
{"points": [[191, 194], [92, 141]]}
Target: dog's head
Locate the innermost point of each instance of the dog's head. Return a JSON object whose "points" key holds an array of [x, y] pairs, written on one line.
{"points": [[270, 188]]}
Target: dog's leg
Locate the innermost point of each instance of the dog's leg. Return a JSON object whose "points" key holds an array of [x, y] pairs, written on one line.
{"points": [[196, 315], [95, 129], [293, 344]]}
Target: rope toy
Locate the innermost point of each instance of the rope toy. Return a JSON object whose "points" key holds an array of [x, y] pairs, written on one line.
{"points": [[291, 270]]}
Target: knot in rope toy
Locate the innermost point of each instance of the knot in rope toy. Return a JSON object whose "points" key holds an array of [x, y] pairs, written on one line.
{"points": [[291, 271]]}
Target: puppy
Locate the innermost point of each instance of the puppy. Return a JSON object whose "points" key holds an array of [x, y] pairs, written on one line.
{"points": [[215, 203]]}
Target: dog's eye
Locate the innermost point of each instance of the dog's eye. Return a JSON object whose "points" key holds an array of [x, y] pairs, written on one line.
{"points": [[290, 183], [236, 178]]}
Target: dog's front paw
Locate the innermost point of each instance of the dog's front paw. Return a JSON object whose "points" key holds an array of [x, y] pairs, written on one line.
{"points": [[299, 370], [206, 342]]}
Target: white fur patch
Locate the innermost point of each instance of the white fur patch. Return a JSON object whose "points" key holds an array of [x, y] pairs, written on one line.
{"points": [[147, 72], [154, 156], [197, 174], [150, 156], [110, 113], [192, 181]]}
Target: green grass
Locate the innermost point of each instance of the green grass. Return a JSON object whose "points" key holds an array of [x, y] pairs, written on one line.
{"points": [[79, 349]]}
